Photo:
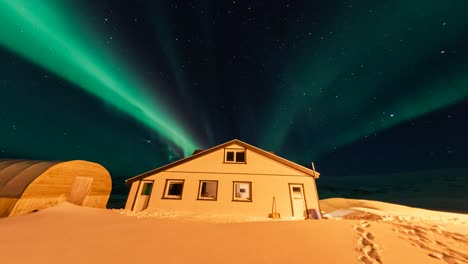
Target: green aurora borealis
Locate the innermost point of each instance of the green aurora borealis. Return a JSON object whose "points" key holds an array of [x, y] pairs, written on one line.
{"points": [[60, 44], [326, 75], [134, 85]]}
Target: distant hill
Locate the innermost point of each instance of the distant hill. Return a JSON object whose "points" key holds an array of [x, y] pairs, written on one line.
{"points": [[445, 189]]}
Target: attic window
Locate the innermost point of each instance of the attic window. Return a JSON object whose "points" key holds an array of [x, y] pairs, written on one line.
{"points": [[173, 189], [234, 156]]}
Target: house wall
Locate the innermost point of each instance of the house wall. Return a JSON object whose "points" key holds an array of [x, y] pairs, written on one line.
{"points": [[269, 179], [255, 164]]}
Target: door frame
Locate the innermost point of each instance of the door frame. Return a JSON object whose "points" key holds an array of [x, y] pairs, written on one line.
{"points": [[306, 215], [138, 193]]}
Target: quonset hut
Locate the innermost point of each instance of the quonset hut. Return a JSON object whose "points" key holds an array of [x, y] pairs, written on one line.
{"points": [[30, 185]]}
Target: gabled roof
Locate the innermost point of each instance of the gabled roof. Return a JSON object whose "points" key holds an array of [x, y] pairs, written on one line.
{"points": [[198, 154]]}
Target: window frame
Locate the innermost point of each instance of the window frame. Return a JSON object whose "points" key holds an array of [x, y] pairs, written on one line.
{"points": [[166, 189], [235, 151], [235, 199], [200, 189]]}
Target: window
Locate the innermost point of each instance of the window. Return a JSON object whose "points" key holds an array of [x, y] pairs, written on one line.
{"points": [[208, 190], [146, 190], [240, 156], [297, 193], [234, 156], [242, 191], [230, 156], [173, 189]]}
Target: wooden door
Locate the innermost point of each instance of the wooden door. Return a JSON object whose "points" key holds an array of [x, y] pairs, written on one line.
{"points": [[79, 189], [298, 201], [143, 195]]}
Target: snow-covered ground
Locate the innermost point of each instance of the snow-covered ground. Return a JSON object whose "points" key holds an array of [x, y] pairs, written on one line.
{"points": [[370, 232]]}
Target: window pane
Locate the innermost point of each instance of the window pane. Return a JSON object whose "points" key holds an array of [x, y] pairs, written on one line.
{"points": [[297, 192], [240, 156], [175, 189], [242, 191], [230, 156], [208, 190], [147, 188]]}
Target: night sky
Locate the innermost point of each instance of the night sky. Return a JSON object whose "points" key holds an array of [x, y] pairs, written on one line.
{"points": [[358, 87]]}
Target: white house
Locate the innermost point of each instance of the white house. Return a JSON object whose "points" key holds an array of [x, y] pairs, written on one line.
{"points": [[231, 178]]}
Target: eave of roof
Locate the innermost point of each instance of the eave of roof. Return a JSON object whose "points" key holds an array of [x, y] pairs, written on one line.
{"points": [[267, 154]]}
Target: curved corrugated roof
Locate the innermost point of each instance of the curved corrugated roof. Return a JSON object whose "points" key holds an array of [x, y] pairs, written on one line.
{"points": [[17, 174]]}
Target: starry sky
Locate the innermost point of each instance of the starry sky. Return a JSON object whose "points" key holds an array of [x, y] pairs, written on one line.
{"points": [[358, 87]]}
